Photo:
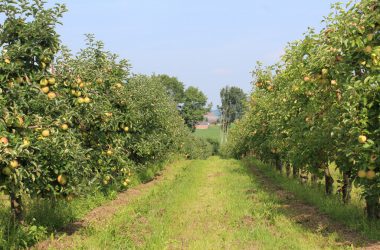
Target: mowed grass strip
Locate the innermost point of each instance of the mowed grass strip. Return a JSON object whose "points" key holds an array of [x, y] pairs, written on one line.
{"points": [[205, 204], [213, 132]]}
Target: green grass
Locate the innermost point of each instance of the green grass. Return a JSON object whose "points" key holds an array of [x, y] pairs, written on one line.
{"points": [[213, 132], [45, 217], [204, 204], [352, 215]]}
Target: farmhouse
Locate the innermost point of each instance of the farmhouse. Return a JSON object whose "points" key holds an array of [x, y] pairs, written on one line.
{"points": [[202, 125]]}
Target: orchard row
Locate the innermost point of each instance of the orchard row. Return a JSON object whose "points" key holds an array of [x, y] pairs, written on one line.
{"points": [[321, 104], [68, 123]]}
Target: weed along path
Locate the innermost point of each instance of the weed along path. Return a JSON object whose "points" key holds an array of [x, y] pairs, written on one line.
{"points": [[204, 204]]}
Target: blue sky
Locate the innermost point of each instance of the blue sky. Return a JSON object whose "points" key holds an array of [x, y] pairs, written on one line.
{"points": [[208, 44]]}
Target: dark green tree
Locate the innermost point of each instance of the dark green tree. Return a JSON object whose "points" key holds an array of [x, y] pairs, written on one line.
{"points": [[233, 99], [232, 108], [194, 106], [174, 87]]}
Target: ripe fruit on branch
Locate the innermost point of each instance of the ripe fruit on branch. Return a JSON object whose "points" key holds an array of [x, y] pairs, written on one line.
{"points": [[4, 140], [362, 174], [62, 179], [52, 95], [64, 126], [334, 82], [371, 175], [81, 100], [51, 81], [325, 72], [45, 133], [45, 89], [87, 100], [126, 182], [362, 139], [14, 164], [44, 82], [7, 61], [25, 143], [109, 152], [306, 78], [126, 129]]}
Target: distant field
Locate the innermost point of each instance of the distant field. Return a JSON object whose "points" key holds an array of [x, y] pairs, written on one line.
{"points": [[212, 132]]}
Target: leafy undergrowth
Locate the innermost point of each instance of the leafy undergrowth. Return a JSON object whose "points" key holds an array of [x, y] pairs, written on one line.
{"points": [[206, 204], [352, 215], [45, 217]]}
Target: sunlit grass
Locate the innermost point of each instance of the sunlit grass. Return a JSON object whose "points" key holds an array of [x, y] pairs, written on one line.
{"points": [[213, 132], [210, 204]]}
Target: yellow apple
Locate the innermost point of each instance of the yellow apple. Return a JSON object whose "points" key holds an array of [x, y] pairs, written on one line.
{"points": [[45, 133], [362, 139], [14, 164], [62, 179]]}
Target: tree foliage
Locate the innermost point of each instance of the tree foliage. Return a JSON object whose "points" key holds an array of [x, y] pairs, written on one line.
{"points": [[233, 101], [174, 87], [194, 106], [74, 123], [321, 104]]}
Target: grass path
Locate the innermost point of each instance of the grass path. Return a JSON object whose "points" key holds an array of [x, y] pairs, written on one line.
{"points": [[204, 204]]}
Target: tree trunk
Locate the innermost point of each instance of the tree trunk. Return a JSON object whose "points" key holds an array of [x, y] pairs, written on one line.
{"points": [[373, 207], [329, 181], [296, 172], [314, 179], [287, 167], [347, 186], [16, 207], [278, 163]]}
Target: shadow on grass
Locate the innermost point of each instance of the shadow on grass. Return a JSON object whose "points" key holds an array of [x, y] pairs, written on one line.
{"points": [[309, 207]]}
